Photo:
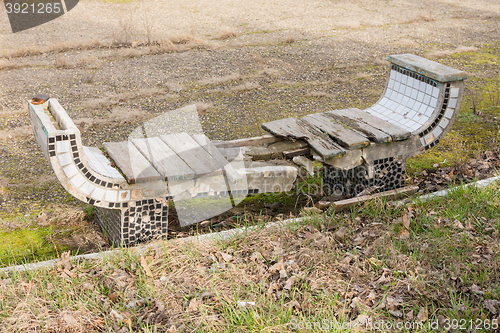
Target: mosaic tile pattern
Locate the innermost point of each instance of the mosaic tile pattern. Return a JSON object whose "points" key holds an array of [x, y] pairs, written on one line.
{"points": [[100, 164], [409, 100], [388, 174], [145, 220]]}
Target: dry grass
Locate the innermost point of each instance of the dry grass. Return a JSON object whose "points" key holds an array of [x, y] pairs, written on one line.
{"points": [[7, 64], [221, 80], [61, 46], [62, 61], [319, 94], [247, 86], [109, 101], [446, 53], [22, 132], [359, 266], [89, 61], [228, 34], [289, 40], [203, 106]]}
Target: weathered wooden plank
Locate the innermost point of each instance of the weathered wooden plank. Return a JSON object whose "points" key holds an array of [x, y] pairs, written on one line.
{"points": [[190, 151], [131, 162], [163, 159], [393, 194], [297, 129], [340, 134], [296, 152], [397, 133], [258, 140], [372, 133], [231, 172]]}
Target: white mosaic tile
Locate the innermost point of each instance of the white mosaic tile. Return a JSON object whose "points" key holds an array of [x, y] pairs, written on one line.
{"points": [[393, 74], [111, 195], [428, 89], [98, 193], [452, 103], [449, 113], [427, 99], [70, 170], [444, 122], [63, 146], [435, 92], [454, 92], [422, 141], [65, 159], [87, 187], [437, 131], [77, 180]]}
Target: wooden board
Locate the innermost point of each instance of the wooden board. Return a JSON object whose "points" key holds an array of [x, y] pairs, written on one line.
{"points": [[163, 159], [136, 167], [297, 129], [342, 116], [190, 151], [258, 140], [231, 172], [362, 117], [339, 206], [339, 133]]}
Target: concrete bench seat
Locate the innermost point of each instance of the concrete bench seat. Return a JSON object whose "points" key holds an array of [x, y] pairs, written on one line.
{"points": [[370, 147]]}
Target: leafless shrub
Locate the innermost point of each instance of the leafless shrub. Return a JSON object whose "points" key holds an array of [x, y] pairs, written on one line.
{"points": [[289, 40], [221, 80]]}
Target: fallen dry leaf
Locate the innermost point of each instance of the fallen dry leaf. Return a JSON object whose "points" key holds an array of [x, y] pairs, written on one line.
{"points": [[145, 266], [64, 262], [226, 257], [194, 305], [422, 315], [406, 222]]}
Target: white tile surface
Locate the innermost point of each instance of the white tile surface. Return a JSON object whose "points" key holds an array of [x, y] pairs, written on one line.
{"points": [[87, 187], [98, 193], [454, 92], [437, 131], [77, 180], [452, 103], [62, 146], [65, 159], [70, 170], [444, 123], [111, 195], [449, 113]]}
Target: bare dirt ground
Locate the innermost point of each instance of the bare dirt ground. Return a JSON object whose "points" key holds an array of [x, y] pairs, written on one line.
{"points": [[114, 64]]}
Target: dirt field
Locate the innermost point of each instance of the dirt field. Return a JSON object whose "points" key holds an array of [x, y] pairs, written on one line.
{"points": [[113, 64]]}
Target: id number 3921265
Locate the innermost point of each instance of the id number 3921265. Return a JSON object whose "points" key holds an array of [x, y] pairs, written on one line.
{"points": [[35, 8]]}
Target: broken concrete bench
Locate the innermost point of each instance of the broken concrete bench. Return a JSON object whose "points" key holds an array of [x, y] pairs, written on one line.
{"points": [[369, 148], [132, 182]]}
